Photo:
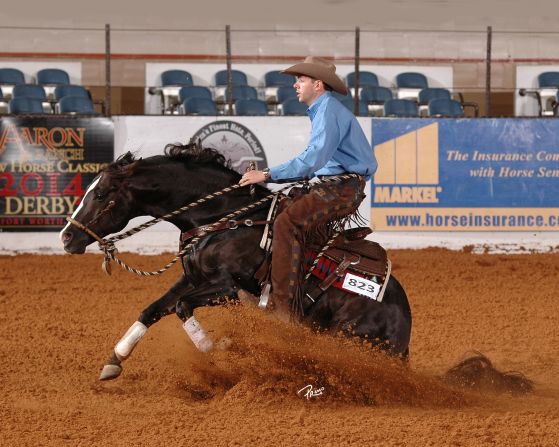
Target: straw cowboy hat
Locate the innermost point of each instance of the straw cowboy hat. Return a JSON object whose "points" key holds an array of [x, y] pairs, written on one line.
{"points": [[318, 68]]}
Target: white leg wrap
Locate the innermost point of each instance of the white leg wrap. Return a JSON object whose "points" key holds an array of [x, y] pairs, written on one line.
{"points": [[198, 336], [127, 343]]}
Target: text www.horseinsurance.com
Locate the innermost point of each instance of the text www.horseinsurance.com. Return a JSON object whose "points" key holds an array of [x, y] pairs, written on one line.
{"points": [[473, 221]]}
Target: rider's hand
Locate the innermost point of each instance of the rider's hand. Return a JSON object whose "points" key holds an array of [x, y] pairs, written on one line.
{"points": [[251, 177]]}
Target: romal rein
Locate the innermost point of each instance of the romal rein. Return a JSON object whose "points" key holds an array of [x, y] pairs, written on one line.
{"points": [[107, 246]]}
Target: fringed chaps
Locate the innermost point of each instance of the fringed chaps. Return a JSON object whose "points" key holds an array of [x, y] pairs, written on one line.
{"points": [[312, 218]]}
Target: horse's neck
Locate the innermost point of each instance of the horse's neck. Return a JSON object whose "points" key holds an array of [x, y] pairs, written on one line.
{"points": [[210, 211]]}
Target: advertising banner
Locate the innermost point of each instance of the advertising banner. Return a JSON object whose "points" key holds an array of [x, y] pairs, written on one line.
{"points": [[46, 164], [466, 175]]}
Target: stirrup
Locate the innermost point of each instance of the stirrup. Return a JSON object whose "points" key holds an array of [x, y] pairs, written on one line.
{"points": [[265, 296]]}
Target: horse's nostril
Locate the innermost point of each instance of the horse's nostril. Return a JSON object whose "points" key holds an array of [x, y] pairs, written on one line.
{"points": [[66, 237]]}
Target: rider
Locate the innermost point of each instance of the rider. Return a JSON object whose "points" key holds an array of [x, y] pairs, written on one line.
{"points": [[337, 146]]}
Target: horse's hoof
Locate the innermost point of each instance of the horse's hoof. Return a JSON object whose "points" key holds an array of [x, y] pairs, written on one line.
{"points": [[110, 372]]}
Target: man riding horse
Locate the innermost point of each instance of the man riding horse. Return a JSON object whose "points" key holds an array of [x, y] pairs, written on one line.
{"points": [[337, 146]]}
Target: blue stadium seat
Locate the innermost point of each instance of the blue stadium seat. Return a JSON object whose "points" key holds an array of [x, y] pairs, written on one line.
{"points": [[10, 77], [23, 105], [243, 92], [199, 106], [363, 109], [76, 105], [49, 78], [71, 90], [292, 107], [548, 79], [33, 91], [194, 91], [365, 78], [250, 107], [52, 76], [375, 97], [341, 97], [444, 107], [401, 108], [273, 81], [428, 94], [548, 85], [29, 91], [285, 92], [276, 78], [409, 85], [171, 83], [176, 77], [237, 77]]}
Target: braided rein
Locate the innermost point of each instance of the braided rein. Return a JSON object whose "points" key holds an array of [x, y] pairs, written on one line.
{"points": [[107, 246]]}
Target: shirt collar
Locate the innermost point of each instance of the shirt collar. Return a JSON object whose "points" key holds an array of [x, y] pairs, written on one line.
{"points": [[311, 111]]}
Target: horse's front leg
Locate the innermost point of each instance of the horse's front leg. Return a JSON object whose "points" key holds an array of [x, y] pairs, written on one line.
{"points": [[207, 295], [150, 315]]}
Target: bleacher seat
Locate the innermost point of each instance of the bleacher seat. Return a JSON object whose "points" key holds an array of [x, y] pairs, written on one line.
{"points": [[292, 107], [23, 105], [428, 94], [401, 108], [32, 91], [283, 94], [548, 86], [199, 106], [375, 97], [76, 105], [350, 104], [341, 97], [366, 78], [49, 78], [238, 78], [70, 90], [250, 107], [273, 81], [409, 85], [443, 107], [240, 92], [194, 91], [171, 83], [10, 77]]}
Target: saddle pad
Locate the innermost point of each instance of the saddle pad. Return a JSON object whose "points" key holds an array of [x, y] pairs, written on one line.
{"points": [[369, 257]]}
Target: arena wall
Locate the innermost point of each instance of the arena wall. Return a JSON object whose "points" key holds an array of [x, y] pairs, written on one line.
{"points": [[278, 139]]}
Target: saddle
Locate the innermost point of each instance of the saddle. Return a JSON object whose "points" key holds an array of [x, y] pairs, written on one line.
{"points": [[352, 264]]}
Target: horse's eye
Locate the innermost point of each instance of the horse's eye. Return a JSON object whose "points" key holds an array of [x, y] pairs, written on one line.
{"points": [[99, 196]]}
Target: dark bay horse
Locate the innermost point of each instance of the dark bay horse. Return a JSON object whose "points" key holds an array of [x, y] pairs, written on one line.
{"points": [[221, 263]]}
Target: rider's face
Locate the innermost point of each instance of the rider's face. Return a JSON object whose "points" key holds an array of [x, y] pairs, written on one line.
{"points": [[308, 89]]}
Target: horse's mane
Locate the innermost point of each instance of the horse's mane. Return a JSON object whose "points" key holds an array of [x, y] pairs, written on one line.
{"points": [[192, 152]]}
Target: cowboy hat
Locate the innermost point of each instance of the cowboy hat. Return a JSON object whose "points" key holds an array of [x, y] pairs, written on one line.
{"points": [[318, 68]]}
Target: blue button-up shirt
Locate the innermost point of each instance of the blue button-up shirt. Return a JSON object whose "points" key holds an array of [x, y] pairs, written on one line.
{"points": [[337, 145]]}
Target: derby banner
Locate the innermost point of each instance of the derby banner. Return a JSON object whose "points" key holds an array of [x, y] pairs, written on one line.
{"points": [[46, 164], [466, 175]]}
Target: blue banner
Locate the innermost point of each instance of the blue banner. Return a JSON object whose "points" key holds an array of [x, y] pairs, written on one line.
{"points": [[466, 174]]}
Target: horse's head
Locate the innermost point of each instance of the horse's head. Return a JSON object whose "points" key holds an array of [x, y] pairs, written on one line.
{"points": [[105, 208]]}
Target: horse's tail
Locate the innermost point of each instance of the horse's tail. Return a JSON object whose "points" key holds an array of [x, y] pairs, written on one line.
{"points": [[477, 372]]}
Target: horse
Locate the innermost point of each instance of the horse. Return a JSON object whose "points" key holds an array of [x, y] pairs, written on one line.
{"points": [[222, 263]]}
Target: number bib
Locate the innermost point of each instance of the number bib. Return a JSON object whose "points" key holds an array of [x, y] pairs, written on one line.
{"points": [[361, 286]]}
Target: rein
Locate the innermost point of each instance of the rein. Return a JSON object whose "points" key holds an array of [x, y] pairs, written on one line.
{"points": [[108, 247]]}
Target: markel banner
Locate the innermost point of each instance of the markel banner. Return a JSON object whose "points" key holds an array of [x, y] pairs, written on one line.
{"points": [[46, 164], [466, 175]]}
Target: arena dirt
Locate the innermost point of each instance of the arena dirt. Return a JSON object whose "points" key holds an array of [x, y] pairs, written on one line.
{"points": [[60, 317]]}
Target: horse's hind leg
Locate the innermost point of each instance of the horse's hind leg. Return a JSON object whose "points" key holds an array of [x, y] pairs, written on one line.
{"points": [[150, 315]]}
